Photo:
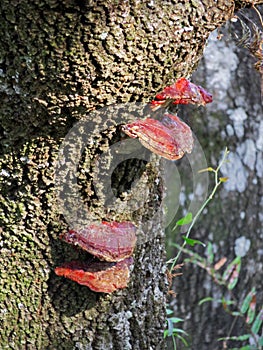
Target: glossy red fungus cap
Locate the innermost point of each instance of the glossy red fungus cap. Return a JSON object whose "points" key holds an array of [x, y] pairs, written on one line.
{"points": [[169, 138], [99, 276], [109, 241], [181, 92], [181, 132]]}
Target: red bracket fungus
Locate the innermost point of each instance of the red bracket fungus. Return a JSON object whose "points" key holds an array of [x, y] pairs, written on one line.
{"points": [[181, 132], [181, 92], [99, 276], [112, 242], [109, 241], [169, 138]]}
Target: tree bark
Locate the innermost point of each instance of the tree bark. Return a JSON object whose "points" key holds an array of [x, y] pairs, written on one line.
{"points": [[61, 60], [233, 220]]}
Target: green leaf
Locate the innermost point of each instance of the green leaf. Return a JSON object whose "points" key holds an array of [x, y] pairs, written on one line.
{"points": [[179, 330], [202, 301], [257, 323], [192, 242], [227, 302], [169, 311], [165, 333], [254, 347], [206, 169], [241, 337], [246, 347], [185, 220], [176, 319], [173, 331], [170, 327], [223, 179], [236, 313], [247, 301], [210, 253], [182, 339], [232, 273]]}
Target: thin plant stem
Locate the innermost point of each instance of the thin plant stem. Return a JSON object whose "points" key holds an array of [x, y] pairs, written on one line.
{"points": [[174, 342], [218, 182]]}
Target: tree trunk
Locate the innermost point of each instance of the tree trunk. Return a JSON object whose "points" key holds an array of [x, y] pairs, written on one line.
{"points": [[233, 220], [61, 60]]}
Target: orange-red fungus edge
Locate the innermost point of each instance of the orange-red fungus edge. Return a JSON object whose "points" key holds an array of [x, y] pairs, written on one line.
{"points": [[99, 276]]}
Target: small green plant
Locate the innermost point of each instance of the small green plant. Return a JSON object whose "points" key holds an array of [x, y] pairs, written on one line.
{"points": [[244, 310], [240, 309], [173, 331], [189, 219]]}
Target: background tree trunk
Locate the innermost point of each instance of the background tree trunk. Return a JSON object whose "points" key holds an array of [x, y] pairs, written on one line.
{"points": [[233, 220], [61, 60]]}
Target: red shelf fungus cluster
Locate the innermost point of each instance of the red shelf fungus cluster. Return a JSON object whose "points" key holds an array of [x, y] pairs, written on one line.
{"points": [[169, 137], [112, 243]]}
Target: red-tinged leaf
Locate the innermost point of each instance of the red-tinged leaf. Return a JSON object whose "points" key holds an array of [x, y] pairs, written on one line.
{"points": [[99, 276], [251, 310], [220, 263], [228, 272], [169, 138], [232, 273], [247, 301], [181, 92], [110, 241], [234, 278], [225, 305]]}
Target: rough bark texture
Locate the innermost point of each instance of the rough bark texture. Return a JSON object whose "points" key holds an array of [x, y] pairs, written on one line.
{"points": [[233, 221], [59, 61]]}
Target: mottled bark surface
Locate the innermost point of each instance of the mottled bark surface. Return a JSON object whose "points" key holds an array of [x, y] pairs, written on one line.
{"points": [[59, 61], [233, 221]]}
